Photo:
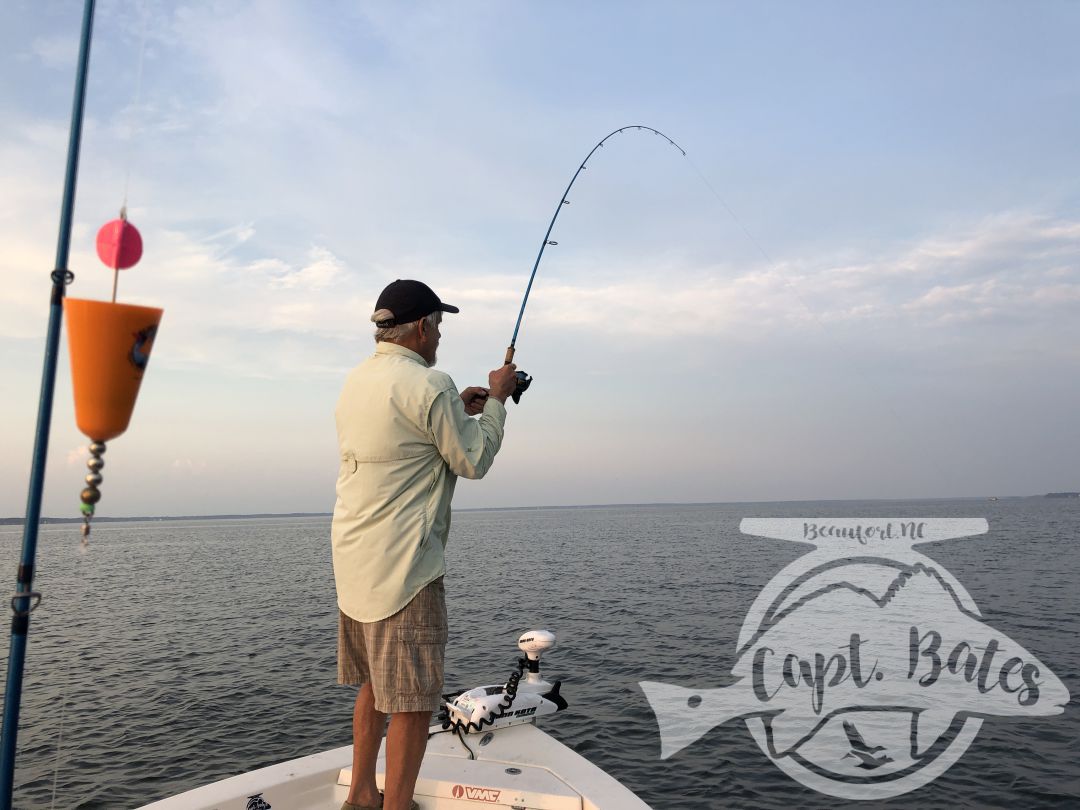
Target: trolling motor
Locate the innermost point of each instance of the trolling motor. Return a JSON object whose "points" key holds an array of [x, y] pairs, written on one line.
{"points": [[512, 703]]}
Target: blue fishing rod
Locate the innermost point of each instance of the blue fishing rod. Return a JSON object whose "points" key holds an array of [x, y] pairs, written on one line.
{"points": [[25, 598], [523, 379]]}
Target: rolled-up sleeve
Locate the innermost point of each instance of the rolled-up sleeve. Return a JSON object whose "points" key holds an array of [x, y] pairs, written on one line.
{"points": [[467, 445]]}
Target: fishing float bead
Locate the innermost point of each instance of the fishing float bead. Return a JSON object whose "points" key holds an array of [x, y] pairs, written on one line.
{"points": [[91, 494]]}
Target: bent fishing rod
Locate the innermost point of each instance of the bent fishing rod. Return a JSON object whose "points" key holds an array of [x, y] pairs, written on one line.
{"points": [[523, 379]]}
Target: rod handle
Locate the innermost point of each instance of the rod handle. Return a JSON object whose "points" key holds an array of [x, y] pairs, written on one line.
{"points": [[509, 356]]}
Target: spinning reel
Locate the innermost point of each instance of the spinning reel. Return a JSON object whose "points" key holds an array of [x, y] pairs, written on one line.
{"points": [[523, 379], [523, 383]]}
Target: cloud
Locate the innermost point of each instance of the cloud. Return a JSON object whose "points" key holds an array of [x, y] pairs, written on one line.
{"points": [[273, 212], [323, 270], [287, 160], [232, 237], [1016, 265], [271, 315], [1021, 267], [56, 52], [189, 467], [263, 58]]}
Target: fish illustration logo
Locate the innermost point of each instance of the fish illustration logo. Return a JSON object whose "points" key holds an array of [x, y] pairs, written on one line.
{"points": [[864, 668]]}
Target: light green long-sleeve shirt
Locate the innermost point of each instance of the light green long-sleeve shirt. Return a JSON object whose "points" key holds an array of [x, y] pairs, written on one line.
{"points": [[404, 438]]}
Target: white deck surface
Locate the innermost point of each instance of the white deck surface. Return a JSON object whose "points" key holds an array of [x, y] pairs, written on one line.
{"points": [[552, 777]]}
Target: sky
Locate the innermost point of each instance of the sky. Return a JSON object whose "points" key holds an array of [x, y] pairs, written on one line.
{"points": [[862, 280]]}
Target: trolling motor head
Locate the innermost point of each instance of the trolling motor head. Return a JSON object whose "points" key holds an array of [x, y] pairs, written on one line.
{"points": [[535, 643]]}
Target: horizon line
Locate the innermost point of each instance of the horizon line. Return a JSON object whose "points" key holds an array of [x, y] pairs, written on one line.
{"points": [[239, 516]]}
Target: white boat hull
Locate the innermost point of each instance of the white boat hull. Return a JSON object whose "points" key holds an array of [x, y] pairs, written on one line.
{"points": [[515, 767]]}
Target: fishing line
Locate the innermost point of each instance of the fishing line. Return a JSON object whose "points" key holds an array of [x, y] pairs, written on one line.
{"points": [[135, 115], [63, 702], [135, 104], [772, 266], [524, 380], [60, 731]]}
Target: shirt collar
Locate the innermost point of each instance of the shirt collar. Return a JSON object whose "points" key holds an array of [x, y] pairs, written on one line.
{"points": [[386, 347]]}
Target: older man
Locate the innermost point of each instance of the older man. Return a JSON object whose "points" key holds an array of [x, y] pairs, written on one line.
{"points": [[405, 436]]}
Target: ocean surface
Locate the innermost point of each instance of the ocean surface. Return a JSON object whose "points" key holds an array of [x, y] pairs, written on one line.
{"points": [[173, 653]]}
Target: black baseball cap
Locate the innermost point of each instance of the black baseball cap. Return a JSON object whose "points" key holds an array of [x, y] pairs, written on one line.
{"points": [[409, 301]]}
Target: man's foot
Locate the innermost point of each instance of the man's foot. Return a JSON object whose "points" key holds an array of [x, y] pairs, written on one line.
{"points": [[350, 806]]}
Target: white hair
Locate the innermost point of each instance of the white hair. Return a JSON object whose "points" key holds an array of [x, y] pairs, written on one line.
{"points": [[393, 334]]}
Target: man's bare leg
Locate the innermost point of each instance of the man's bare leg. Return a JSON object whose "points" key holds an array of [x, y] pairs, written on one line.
{"points": [[405, 744], [368, 727]]}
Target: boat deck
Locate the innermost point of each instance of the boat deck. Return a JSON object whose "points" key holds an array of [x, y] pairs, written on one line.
{"points": [[515, 767]]}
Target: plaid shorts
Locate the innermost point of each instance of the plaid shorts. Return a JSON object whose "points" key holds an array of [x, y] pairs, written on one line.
{"points": [[401, 656]]}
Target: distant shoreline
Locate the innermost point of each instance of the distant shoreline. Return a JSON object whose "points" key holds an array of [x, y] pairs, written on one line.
{"points": [[153, 518], [10, 521]]}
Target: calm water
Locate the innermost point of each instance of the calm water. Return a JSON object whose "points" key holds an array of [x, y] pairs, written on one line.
{"points": [[175, 653]]}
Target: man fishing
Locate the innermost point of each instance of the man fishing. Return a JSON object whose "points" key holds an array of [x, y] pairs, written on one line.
{"points": [[405, 436]]}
